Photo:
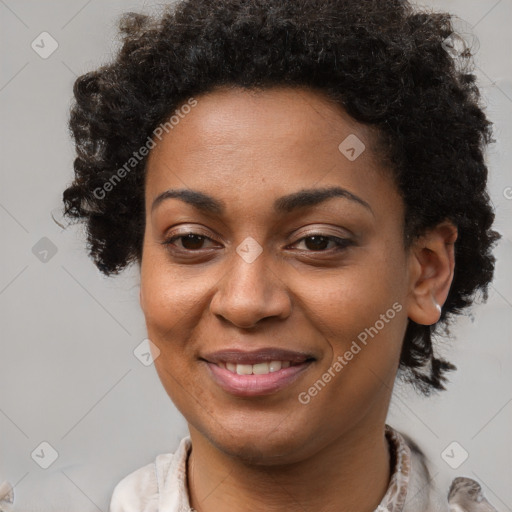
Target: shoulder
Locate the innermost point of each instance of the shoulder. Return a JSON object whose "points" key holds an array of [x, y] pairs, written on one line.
{"points": [[138, 491], [463, 495], [141, 490], [466, 495]]}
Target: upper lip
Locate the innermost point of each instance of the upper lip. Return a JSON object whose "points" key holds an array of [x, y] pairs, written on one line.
{"points": [[237, 356]]}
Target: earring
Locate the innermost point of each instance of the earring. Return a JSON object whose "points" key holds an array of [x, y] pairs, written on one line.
{"points": [[438, 307]]}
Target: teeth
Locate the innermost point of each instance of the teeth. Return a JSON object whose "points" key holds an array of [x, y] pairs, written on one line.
{"points": [[244, 369], [275, 366], [255, 369], [260, 368]]}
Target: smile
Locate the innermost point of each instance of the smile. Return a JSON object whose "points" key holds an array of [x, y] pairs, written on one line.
{"points": [[255, 369], [257, 372]]}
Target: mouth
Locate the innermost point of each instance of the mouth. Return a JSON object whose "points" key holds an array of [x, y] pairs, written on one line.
{"points": [[256, 369], [256, 373]]}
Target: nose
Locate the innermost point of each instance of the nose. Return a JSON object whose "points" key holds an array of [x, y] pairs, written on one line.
{"points": [[250, 292]]}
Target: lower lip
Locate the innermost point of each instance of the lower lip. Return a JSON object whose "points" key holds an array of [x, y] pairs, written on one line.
{"points": [[255, 385]]}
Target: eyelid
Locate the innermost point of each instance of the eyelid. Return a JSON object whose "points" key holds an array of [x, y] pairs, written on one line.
{"points": [[325, 230], [341, 243], [179, 230]]}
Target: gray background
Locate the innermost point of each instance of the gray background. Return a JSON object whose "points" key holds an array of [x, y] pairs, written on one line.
{"points": [[68, 375]]}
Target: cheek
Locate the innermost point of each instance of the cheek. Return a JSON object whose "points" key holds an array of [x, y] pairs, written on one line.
{"points": [[165, 296], [362, 322], [174, 300], [358, 292], [361, 310], [366, 327], [167, 302]]}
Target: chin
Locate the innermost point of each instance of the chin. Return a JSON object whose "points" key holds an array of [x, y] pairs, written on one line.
{"points": [[260, 452], [263, 446]]}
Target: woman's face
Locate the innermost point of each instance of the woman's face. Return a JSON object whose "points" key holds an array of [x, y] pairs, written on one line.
{"points": [[280, 321]]}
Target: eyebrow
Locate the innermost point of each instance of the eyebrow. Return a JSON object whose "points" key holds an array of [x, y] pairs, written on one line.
{"points": [[285, 204]]}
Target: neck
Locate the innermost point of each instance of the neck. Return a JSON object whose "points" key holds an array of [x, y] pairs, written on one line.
{"points": [[351, 473]]}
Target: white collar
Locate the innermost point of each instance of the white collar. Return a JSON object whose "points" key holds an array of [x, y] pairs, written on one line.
{"points": [[162, 486]]}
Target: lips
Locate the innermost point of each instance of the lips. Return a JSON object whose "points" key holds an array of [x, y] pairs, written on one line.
{"points": [[265, 355], [256, 373]]}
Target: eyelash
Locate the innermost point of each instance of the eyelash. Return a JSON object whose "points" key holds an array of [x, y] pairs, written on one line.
{"points": [[342, 243]]}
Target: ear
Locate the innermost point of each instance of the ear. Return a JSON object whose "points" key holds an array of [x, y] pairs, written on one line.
{"points": [[432, 263]]}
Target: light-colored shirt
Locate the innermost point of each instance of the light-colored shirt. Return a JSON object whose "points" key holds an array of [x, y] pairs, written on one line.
{"points": [[162, 485]]}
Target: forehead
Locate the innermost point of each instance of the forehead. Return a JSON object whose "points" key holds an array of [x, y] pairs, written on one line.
{"points": [[255, 145], [243, 120]]}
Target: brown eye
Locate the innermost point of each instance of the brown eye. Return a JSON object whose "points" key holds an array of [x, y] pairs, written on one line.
{"points": [[317, 243], [192, 242], [321, 243], [189, 241]]}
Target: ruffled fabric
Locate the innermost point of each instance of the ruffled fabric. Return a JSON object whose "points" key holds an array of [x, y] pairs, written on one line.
{"points": [[410, 490], [394, 499], [162, 485], [6, 496]]}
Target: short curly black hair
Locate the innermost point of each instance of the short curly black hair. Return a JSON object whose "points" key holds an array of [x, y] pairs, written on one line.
{"points": [[389, 65]]}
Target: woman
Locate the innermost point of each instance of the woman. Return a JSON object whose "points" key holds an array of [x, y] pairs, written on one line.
{"points": [[303, 187]]}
